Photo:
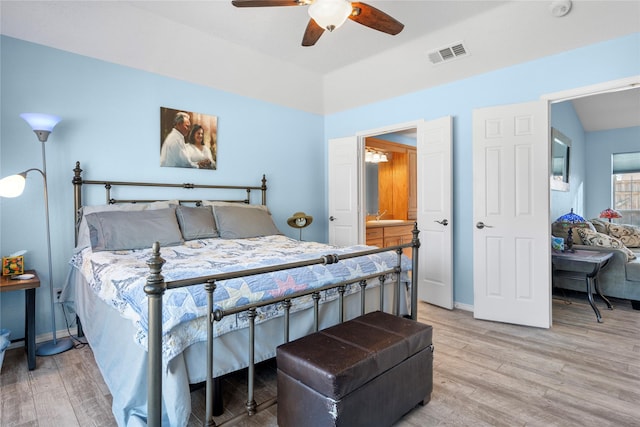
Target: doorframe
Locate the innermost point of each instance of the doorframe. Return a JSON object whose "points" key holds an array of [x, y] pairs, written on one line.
{"points": [[362, 135], [580, 92], [595, 89]]}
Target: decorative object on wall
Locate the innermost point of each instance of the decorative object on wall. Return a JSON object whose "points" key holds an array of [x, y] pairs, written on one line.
{"points": [[188, 139], [560, 160], [610, 213], [300, 220], [13, 186], [331, 14]]}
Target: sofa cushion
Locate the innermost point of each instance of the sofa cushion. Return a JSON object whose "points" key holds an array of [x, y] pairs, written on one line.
{"points": [[600, 225], [593, 238], [628, 234], [561, 229]]}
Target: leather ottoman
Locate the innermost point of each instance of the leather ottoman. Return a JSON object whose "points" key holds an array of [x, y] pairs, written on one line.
{"points": [[367, 371]]}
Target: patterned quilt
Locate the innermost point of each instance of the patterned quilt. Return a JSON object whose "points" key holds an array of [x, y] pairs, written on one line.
{"points": [[118, 278]]}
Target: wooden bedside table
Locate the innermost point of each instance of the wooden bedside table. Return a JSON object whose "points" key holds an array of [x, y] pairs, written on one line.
{"points": [[29, 286]]}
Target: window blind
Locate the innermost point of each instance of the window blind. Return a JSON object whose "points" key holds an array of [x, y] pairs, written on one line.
{"points": [[625, 163]]}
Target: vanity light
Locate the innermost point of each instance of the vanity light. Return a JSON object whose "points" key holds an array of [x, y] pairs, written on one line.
{"points": [[368, 156], [374, 156]]}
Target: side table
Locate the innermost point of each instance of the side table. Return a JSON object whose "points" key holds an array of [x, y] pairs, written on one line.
{"points": [[586, 265], [29, 286]]}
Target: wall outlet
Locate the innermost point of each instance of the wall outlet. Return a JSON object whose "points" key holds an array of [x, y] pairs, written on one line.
{"points": [[57, 292]]}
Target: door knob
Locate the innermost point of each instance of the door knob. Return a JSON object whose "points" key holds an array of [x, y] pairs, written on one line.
{"points": [[443, 222], [480, 225], [332, 218]]}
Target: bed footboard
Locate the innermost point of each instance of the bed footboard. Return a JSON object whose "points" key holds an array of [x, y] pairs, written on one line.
{"points": [[156, 286]]}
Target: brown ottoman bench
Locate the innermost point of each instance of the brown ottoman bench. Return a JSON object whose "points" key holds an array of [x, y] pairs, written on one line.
{"points": [[364, 372]]}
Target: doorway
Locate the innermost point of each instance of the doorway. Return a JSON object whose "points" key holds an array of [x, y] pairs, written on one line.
{"points": [[434, 202]]}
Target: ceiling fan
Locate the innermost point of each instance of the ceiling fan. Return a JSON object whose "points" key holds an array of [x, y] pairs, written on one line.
{"points": [[330, 14]]}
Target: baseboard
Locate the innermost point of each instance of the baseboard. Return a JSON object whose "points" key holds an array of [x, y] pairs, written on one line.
{"points": [[62, 333], [461, 306]]}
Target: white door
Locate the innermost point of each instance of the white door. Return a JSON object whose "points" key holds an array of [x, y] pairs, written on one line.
{"points": [[435, 265], [511, 242], [343, 186]]}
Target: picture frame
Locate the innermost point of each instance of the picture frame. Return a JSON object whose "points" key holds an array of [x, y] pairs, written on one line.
{"points": [[188, 139]]}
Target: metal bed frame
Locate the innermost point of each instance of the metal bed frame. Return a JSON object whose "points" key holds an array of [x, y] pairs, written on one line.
{"points": [[156, 286]]}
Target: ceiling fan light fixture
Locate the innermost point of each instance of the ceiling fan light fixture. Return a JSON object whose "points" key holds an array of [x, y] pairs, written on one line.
{"points": [[330, 14]]}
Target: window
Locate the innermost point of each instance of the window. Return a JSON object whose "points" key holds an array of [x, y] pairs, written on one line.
{"points": [[626, 186]]}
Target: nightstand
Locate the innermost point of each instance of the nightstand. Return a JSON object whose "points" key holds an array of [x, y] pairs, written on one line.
{"points": [[29, 286]]}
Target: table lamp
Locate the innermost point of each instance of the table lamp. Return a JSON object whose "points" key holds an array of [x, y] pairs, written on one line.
{"points": [[300, 220], [569, 219], [610, 213]]}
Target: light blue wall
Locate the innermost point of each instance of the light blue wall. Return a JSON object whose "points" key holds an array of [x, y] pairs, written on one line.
{"points": [[110, 122], [526, 82], [601, 146], [565, 119]]}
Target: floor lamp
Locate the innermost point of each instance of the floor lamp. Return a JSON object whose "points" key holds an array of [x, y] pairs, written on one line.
{"points": [[13, 186]]}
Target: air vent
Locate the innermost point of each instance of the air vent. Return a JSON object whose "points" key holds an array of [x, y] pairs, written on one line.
{"points": [[447, 53]]}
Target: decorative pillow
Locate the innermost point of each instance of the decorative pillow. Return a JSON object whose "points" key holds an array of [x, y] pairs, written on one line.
{"points": [[600, 225], [561, 229], [196, 223], [214, 203], [628, 234], [121, 230], [593, 238], [83, 231], [242, 221]]}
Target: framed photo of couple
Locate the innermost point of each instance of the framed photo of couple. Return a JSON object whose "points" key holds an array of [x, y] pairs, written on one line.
{"points": [[188, 139]]}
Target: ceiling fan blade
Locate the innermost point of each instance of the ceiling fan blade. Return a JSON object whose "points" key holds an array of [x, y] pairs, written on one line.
{"points": [[266, 3], [312, 33], [374, 18]]}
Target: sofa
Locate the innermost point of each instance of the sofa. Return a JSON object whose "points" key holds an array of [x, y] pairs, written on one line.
{"points": [[621, 277]]}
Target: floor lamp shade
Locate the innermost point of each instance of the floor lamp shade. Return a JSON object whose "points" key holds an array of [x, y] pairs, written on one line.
{"points": [[13, 186], [42, 124]]}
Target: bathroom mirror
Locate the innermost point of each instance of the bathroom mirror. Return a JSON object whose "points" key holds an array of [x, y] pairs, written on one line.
{"points": [[371, 187], [560, 156]]}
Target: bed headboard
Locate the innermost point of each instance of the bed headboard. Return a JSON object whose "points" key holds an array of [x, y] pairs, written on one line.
{"points": [[78, 183]]}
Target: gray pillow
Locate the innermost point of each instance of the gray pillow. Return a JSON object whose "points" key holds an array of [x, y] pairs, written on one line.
{"points": [[120, 230], [239, 222], [196, 223]]}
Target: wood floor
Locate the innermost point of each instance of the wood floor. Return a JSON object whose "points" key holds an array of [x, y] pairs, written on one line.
{"points": [[578, 373]]}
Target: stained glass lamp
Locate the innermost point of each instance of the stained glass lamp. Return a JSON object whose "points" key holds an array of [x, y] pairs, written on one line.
{"points": [[571, 218], [567, 220], [610, 213]]}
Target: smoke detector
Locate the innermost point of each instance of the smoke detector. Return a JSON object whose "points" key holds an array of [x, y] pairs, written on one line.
{"points": [[560, 8], [447, 53]]}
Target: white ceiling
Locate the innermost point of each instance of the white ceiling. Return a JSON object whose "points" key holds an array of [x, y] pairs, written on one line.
{"points": [[256, 51]]}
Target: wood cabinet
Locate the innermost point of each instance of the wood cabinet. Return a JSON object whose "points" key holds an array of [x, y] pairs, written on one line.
{"points": [[390, 235], [375, 236]]}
